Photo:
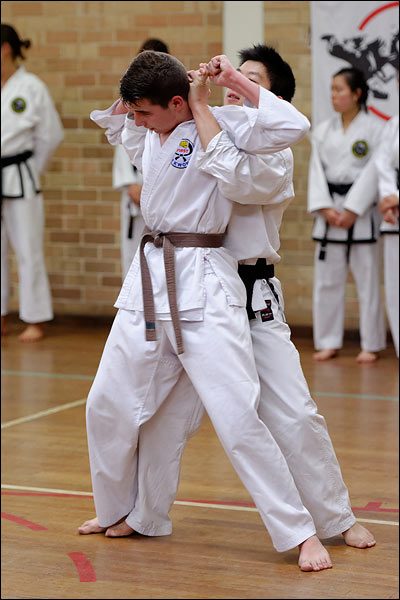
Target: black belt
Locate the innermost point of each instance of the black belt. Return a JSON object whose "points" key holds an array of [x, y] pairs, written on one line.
{"points": [[249, 275], [17, 159], [341, 189]]}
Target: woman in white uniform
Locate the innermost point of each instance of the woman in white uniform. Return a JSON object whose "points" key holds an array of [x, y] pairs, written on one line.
{"points": [[341, 148], [387, 165], [381, 179], [31, 130]]}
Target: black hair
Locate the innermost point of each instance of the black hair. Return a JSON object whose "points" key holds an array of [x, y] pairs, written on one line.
{"points": [[154, 44], [355, 79], [154, 76], [10, 36], [279, 72]]}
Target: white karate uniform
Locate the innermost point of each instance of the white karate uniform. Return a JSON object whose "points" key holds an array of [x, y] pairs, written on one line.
{"points": [[339, 157], [131, 221], [135, 376], [380, 179], [29, 121], [286, 406], [387, 165]]}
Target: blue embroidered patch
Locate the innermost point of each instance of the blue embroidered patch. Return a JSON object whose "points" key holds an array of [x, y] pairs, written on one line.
{"points": [[182, 154]]}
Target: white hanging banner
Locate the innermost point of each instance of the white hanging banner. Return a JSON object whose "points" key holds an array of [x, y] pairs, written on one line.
{"points": [[364, 35]]}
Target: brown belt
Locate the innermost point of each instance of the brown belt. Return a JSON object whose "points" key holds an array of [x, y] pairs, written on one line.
{"points": [[169, 241]]}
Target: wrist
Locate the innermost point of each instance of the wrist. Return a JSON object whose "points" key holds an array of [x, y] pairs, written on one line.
{"points": [[199, 108], [244, 87]]}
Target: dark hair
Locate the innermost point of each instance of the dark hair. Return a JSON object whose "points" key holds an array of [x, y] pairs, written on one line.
{"points": [[355, 79], [279, 72], [154, 76], [10, 36], [154, 44]]}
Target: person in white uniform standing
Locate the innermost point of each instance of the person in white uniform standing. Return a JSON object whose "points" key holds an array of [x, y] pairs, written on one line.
{"points": [[387, 166], [381, 179], [128, 180], [341, 148], [191, 325], [286, 406], [31, 130]]}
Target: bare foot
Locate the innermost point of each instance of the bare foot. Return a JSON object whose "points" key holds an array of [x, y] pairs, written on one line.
{"points": [[322, 355], [119, 530], [91, 526], [33, 333], [367, 357], [313, 556], [359, 537]]}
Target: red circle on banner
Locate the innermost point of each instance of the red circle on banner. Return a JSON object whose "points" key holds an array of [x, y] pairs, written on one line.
{"points": [[365, 22]]}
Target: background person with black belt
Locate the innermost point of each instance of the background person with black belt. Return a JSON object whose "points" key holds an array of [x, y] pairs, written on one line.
{"points": [[128, 180], [31, 130], [381, 178], [341, 148]]}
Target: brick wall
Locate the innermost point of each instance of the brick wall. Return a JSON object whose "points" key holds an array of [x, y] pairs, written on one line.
{"points": [[80, 50]]}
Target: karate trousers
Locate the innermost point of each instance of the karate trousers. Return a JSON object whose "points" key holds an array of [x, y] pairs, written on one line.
{"points": [[22, 225], [285, 407], [134, 379], [330, 276], [391, 269]]}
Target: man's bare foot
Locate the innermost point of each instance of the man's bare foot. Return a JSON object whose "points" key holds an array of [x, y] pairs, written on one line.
{"points": [[91, 526], [33, 333], [322, 355], [313, 556], [359, 537], [119, 530], [367, 357]]}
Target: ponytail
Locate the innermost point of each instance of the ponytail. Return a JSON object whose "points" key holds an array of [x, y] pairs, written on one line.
{"points": [[11, 37]]}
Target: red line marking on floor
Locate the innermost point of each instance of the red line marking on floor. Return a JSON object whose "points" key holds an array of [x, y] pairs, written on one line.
{"points": [[84, 567], [375, 507], [23, 522]]}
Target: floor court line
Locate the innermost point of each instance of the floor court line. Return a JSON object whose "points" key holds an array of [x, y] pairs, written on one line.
{"points": [[190, 503], [47, 375], [68, 405], [43, 413], [91, 377]]}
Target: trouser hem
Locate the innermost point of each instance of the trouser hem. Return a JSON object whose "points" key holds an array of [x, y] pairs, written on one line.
{"points": [[337, 529], [150, 530]]}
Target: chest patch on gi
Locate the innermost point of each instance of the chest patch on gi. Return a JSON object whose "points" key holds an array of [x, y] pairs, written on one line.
{"points": [[182, 154], [360, 148], [266, 313], [18, 105]]}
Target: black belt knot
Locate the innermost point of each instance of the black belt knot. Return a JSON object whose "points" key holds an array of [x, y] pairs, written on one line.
{"points": [[339, 188], [249, 274], [16, 159]]}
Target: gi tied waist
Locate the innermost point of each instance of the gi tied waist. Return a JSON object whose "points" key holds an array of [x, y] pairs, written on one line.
{"points": [[168, 242]]}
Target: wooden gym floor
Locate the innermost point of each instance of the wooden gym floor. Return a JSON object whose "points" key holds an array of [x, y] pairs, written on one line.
{"points": [[219, 547]]}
